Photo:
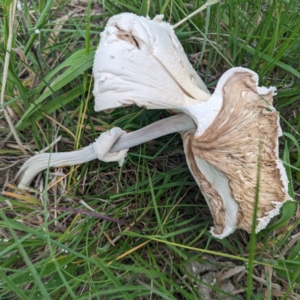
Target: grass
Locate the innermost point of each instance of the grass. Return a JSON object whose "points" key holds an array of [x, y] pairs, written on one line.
{"points": [[155, 243]]}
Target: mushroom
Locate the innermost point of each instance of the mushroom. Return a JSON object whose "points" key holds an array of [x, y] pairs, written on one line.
{"points": [[141, 62]]}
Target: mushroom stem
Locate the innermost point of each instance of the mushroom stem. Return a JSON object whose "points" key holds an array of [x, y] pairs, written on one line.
{"points": [[39, 162], [177, 123]]}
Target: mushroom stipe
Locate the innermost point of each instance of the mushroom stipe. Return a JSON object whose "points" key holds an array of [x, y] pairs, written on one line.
{"points": [[114, 143], [141, 62]]}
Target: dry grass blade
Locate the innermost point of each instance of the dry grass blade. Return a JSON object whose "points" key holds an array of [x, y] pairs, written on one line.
{"points": [[91, 214]]}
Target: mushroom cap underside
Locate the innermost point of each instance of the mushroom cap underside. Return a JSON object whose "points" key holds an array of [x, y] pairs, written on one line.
{"points": [[227, 154]]}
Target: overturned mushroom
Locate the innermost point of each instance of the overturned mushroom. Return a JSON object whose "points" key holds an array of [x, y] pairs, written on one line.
{"points": [[140, 61]]}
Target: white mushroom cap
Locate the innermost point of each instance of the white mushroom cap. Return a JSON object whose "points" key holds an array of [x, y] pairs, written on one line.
{"points": [[141, 61]]}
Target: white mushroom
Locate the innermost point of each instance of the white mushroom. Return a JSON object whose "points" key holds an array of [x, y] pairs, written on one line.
{"points": [[140, 61]]}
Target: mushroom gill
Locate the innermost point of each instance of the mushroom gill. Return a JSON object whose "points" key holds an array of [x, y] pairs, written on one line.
{"points": [[231, 144]]}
